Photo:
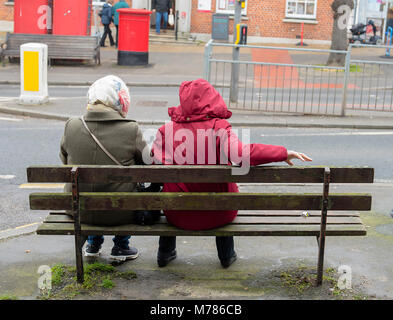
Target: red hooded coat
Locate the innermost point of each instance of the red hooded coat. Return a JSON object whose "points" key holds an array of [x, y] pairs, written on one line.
{"points": [[200, 134]]}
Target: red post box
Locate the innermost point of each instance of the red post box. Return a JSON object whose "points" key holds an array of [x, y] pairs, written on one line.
{"points": [[72, 17], [134, 26], [33, 16]]}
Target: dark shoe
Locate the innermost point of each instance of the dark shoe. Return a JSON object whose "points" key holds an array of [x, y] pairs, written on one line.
{"points": [[123, 254], [227, 262], [163, 258], [92, 250], [103, 46]]}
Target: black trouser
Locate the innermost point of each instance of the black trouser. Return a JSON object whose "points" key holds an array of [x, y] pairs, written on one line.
{"points": [[117, 36], [107, 31], [225, 246]]}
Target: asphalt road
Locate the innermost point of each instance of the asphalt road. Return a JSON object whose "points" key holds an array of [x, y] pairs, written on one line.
{"points": [[27, 141], [309, 100], [7, 91]]}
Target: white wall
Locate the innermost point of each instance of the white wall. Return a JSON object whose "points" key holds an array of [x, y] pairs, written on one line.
{"points": [[6, 26], [141, 4]]}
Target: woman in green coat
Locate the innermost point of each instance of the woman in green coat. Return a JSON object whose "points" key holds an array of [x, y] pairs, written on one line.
{"points": [[119, 5], [107, 108]]}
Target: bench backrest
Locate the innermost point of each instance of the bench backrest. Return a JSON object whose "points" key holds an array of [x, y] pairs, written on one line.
{"points": [[199, 201], [56, 43]]}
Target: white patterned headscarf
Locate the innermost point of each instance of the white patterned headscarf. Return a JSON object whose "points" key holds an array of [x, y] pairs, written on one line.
{"points": [[111, 92]]}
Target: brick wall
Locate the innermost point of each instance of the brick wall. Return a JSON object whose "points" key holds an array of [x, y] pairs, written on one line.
{"points": [[6, 11], [265, 19]]}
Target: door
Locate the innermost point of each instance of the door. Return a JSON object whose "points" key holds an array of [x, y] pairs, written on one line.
{"points": [[184, 9]]}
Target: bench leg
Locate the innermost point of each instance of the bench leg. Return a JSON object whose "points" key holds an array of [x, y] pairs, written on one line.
{"points": [[79, 241], [322, 233], [321, 254]]}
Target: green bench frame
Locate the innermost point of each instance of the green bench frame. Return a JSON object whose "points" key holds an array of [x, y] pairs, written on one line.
{"points": [[59, 47], [271, 214]]}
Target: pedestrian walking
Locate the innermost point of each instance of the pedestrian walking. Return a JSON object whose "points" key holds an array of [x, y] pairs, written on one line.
{"points": [[106, 19], [203, 110], [161, 7], [119, 5], [118, 138]]}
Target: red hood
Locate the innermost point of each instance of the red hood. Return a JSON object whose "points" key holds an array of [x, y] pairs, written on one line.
{"points": [[199, 101]]}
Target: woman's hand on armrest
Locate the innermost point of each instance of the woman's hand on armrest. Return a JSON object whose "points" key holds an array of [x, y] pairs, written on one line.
{"points": [[296, 155]]}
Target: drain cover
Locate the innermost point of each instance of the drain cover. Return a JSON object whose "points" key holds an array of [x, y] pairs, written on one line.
{"points": [[386, 229]]}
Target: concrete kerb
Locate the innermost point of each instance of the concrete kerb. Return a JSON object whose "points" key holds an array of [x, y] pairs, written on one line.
{"points": [[287, 124], [18, 231], [89, 83]]}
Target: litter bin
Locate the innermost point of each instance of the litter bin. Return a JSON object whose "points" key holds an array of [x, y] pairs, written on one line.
{"points": [[72, 17], [134, 26], [33, 16]]}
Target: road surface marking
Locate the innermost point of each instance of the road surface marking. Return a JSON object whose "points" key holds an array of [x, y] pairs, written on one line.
{"points": [[7, 98], [10, 119], [25, 229], [383, 133], [42, 186], [7, 177]]}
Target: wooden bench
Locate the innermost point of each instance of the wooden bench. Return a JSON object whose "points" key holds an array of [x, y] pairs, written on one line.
{"points": [[59, 47], [271, 214]]}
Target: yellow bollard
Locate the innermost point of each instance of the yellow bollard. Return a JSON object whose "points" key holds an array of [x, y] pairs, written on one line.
{"points": [[34, 73]]}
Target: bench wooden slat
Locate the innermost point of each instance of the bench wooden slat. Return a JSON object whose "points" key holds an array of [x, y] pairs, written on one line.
{"points": [[198, 201], [277, 213], [247, 220], [248, 213], [229, 230], [158, 173]]}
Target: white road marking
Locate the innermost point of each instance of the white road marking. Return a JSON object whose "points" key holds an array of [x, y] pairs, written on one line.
{"points": [[7, 98], [26, 229], [21, 227], [7, 177], [42, 186], [10, 119], [352, 133]]}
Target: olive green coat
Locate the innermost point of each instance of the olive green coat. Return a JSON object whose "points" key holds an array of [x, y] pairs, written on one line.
{"points": [[121, 137]]}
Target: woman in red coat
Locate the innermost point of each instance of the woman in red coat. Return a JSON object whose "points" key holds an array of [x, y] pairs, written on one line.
{"points": [[200, 134]]}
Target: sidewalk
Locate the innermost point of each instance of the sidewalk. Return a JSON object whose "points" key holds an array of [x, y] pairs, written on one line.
{"points": [[168, 66], [261, 271], [150, 112]]}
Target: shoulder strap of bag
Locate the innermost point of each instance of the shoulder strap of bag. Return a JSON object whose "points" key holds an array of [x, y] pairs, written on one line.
{"points": [[99, 143]]}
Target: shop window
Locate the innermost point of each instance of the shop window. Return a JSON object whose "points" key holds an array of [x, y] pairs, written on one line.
{"points": [[304, 9], [98, 2], [228, 6]]}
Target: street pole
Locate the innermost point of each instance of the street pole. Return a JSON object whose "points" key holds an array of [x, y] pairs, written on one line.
{"points": [[234, 90]]}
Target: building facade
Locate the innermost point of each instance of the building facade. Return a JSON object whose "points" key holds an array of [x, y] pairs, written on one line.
{"points": [[273, 21]]}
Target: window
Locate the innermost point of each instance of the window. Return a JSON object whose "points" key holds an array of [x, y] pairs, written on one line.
{"points": [[98, 2], [306, 9], [228, 6]]}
